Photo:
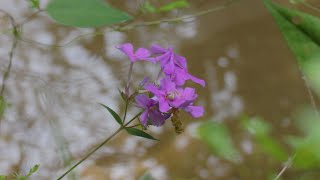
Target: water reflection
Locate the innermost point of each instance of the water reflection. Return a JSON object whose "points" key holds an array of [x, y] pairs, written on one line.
{"points": [[54, 116]]}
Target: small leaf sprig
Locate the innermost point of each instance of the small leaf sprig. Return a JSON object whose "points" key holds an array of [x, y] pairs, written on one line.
{"points": [[17, 176]]}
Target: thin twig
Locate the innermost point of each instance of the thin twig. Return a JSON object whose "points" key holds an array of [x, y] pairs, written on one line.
{"points": [[286, 166], [27, 19], [90, 153], [133, 25], [9, 16], [11, 52], [62, 45], [310, 6], [6, 74], [178, 19]]}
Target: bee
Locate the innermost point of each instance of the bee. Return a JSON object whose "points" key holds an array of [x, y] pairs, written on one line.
{"points": [[176, 122]]}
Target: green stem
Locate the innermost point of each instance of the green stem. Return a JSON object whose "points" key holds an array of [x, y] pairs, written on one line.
{"points": [[125, 110], [98, 147], [90, 153], [133, 126], [129, 79]]}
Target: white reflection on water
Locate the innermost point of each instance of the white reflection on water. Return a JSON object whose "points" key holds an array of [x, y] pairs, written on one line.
{"points": [[224, 100]]}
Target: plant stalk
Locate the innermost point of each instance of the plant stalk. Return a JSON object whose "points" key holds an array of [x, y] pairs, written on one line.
{"points": [[98, 147]]}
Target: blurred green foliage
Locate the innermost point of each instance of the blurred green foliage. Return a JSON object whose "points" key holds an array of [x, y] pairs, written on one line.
{"points": [[34, 4], [303, 40], [306, 147], [148, 7], [146, 176], [260, 130], [84, 13], [217, 136]]}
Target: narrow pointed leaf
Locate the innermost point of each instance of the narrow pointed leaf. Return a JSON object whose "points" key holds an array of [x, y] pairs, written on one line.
{"points": [[299, 41], [306, 23], [114, 114], [302, 34], [140, 133], [85, 13]]}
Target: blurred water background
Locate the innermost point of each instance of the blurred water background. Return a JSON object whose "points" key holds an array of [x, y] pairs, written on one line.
{"points": [[53, 116]]}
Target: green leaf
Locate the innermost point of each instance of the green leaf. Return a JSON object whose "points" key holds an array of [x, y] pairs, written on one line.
{"points": [[302, 34], [148, 8], [174, 5], [272, 147], [34, 3], [114, 114], [146, 176], [307, 152], [260, 130], [2, 177], [256, 126], [85, 13], [3, 105], [306, 146], [140, 133], [219, 140], [33, 170], [311, 71]]}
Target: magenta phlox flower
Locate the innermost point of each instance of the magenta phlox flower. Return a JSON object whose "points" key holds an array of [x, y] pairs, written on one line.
{"points": [[181, 75], [139, 54], [171, 96], [174, 65], [168, 59], [151, 111], [189, 97]]}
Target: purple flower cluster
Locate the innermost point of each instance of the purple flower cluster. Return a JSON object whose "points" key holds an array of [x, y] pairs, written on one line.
{"points": [[170, 95]]}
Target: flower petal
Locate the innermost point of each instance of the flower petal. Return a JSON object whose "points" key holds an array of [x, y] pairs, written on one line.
{"points": [[195, 111], [142, 53], [197, 80], [189, 94], [180, 61], [127, 49], [163, 105], [157, 118], [157, 49], [179, 76], [167, 85], [144, 118], [169, 67], [153, 89], [164, 59], [142, 100]]}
